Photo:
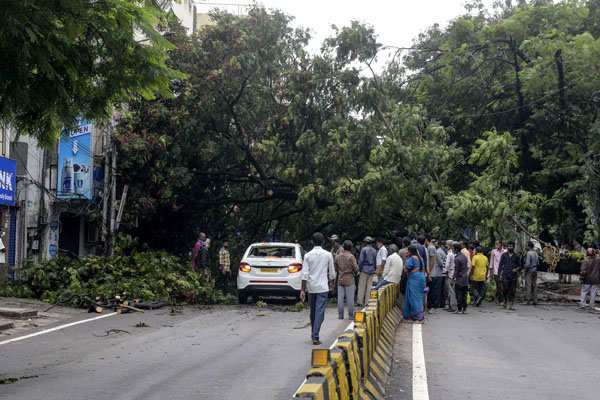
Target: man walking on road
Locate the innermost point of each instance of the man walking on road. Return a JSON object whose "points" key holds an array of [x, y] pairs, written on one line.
{"points": [[449, 276], [316, 269], [479, 273], [590, 278], [366, 265], [530, 274], [510, 264], [380, 259], [495, 263], [461, 279], [346, 269]]}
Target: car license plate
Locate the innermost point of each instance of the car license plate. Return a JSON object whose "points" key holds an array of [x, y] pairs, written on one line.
{"points": [[269, 270]]}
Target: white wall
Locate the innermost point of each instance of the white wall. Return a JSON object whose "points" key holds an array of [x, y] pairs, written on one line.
{"points": [[184, 10]]}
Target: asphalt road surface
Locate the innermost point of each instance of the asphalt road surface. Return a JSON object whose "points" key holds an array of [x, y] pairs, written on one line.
{"points": [[235, 352], [545, 352]]}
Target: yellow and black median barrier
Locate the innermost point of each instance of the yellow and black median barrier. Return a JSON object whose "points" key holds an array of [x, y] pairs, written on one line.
{"points": [[358, 363]]}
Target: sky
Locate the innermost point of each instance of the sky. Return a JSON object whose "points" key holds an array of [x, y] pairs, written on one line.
{"points": [[396, 22]]}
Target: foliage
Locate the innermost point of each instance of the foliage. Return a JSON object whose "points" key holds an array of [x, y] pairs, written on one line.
{"points": [[489, 120], [261, 304], [529, 70], [70, 58], [145, 275], [298, 307]]}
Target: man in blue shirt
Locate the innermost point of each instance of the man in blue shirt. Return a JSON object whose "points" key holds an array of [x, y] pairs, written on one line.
{"points": [[366, 266]]}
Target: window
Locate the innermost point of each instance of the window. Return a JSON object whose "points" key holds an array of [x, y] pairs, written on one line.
{"points": [[273, 252]]}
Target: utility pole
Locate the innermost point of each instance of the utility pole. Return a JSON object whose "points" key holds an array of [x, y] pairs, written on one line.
{"points": [[42, 211], [105, 192], [113, 191]]}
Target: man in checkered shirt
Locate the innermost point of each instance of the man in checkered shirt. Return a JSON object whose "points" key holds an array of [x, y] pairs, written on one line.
{"points": [[224, 260]]}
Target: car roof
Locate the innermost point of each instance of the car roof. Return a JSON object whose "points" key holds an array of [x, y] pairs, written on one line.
{"points": [[283, 244]]}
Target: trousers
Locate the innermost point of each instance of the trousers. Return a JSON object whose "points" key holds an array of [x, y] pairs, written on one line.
{"points": [[499, 294], [461, 297], [365, 283], [451, 294], [477, 290], [317, 303], [508, 289], [592, 290], [531, 286], [435, 292], [348, 293]]}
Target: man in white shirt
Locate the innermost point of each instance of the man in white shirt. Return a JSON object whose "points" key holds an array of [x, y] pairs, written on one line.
{"points": [[317, 267], [382, 254], [392, 272], [449, 274]]}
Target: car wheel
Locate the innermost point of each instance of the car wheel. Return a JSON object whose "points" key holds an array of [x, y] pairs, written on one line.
{"points": [[242, 298]]}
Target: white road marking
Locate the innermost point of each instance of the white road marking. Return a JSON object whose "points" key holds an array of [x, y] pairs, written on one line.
{"points": [[56, 328], [419, 381], [350, 326]]}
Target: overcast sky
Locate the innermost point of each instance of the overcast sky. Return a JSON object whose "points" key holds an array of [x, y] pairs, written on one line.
{"points": [[396, 22]]}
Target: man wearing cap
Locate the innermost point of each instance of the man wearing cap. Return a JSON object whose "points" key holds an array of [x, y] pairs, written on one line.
{"points": [[590, 278], [366, 266], [336, 245]]}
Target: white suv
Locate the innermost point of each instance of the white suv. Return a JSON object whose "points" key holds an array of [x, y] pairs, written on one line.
{"points": [[270, 269]]}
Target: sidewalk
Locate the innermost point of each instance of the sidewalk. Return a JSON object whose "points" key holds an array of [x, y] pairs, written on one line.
{"points": [[22, 326]]}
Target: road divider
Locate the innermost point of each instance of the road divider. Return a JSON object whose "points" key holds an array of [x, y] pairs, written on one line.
{"points": [[360, 360]]}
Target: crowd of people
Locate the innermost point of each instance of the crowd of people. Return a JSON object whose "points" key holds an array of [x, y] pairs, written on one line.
{"points": [[432, 274], [449, 275]]}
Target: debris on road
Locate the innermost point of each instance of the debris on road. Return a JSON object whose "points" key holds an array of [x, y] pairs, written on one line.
{"points": [[7, 381], [117, 303], [4, 325], [112, 330]]}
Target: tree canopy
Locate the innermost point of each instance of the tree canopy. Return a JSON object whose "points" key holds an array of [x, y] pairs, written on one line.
{"points": [[60, 60], [489, 120]]}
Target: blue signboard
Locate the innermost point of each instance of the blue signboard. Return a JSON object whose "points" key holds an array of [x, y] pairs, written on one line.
{"points": [[8, 171], [75, 162]]}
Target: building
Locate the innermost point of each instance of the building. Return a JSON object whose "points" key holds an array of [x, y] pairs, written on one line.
{"points": [[60, 200], [185, 12]]}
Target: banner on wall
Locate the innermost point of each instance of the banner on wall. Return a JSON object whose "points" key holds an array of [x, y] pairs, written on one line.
{"points": [[8, 171], [52, 240], [75, 162]]}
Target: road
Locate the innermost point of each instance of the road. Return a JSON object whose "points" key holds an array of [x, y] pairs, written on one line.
{"points": [[544, 352], [222, 352]]}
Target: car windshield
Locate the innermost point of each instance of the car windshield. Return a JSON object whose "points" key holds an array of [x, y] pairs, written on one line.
{"points": [[272, 251]]}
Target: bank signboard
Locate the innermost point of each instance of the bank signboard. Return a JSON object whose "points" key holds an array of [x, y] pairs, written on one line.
{"points": [[8, 172], [75, 162]]}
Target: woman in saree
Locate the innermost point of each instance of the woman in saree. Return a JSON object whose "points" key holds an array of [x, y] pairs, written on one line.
{"points": [[413, 300]]}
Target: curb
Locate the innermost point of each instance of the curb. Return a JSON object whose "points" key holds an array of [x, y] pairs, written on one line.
{"points": [[357, 365]]}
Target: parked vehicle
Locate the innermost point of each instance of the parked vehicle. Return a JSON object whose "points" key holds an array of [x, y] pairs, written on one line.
{"points": [[270, 269]]}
